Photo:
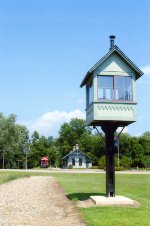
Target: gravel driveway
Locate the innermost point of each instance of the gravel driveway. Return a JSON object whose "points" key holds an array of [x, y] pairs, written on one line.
{"points": [[38, 201]]}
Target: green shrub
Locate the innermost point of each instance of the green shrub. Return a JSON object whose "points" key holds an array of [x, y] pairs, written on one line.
{"points": [[95, 167], [102, 162], [125, 162], [120, 168]]}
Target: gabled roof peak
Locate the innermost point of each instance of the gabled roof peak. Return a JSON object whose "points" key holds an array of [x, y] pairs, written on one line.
{"points": [[77, 152], [139, 73]]}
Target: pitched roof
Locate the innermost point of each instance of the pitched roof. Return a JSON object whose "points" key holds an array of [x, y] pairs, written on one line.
{"points": [[139, 73], [73, 152]]}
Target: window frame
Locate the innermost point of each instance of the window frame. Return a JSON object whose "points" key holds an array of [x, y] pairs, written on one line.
{"points": [[114, 89], [88, 93], [111, 76], [80, 161], [73, 162]]}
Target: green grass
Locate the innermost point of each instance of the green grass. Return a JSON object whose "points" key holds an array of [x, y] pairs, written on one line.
{"points": [[137, 187], [8, 176], [82, 186]]}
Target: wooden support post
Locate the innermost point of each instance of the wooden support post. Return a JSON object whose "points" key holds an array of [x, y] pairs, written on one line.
{"points": [[109, 130]]}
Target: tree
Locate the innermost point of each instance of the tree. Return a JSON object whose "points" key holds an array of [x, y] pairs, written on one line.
{"points": [[124, 144], [136, 152], [92, 145], [35, 150], [102, 162], [125, 162], [71, 133], [42, 146], [20, 144], [144, 140], [12, 139]]}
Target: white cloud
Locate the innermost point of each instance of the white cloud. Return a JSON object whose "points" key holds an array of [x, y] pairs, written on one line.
{"points": [[146, 69], [146, 77], [49, 123]]}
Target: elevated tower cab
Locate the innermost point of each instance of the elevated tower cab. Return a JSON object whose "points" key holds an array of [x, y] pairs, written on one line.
{"points": [[111, 89]]}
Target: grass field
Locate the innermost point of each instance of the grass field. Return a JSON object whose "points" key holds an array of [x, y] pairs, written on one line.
{"points": [[82, 186], [7, 176], [137, 187]]}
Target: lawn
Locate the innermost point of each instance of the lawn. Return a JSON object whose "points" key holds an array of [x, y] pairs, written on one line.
{"points": [[82, 186], [137, 187], [7, 176]]}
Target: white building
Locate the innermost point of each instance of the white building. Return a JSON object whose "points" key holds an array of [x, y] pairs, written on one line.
{"points": [[76, 159]]}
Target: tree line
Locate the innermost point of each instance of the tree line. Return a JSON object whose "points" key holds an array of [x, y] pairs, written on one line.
{"points": [[16, 146]]}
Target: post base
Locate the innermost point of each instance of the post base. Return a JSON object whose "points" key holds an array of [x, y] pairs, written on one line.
{"points": [[114, 201]]}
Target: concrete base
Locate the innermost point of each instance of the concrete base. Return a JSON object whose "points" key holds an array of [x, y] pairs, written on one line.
{"points": [[111, 201]]}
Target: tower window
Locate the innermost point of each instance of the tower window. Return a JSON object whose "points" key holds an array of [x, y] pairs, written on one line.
{"points": [[115, 88]]}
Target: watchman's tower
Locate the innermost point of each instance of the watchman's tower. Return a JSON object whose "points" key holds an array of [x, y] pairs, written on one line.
{"points": [[111, 100]]}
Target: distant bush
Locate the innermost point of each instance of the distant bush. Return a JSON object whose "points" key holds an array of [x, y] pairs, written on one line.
{"points": [[119, 168], [125, 162], [102, 162], [94, 167]]}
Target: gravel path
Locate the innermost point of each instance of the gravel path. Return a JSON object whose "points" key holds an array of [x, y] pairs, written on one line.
{"points": [[38, 201]]}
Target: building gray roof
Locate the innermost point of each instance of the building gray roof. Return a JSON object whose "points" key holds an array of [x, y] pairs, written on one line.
{"points": [[139, 73], [72, 152]]}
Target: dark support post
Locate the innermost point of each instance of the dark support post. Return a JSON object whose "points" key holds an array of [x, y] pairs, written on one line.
{"points": [[109, 130]]}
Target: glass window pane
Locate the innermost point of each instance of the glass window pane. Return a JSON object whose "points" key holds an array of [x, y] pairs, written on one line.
{"points": [[73, 162], [119, 82], [101, 93], [101, 81], [109, 82], [128, 88], [80, 162], [123, 88], [120, 94], [105, 87], [90, 94]]}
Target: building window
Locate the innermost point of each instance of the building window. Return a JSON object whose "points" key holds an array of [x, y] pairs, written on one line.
{"points": [[115, 88], [80, 162], [90, 93], [105, 87], [73, 162], [123, 88]]}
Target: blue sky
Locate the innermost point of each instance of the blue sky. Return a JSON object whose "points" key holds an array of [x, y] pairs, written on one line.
{"points": [[47, 46]]}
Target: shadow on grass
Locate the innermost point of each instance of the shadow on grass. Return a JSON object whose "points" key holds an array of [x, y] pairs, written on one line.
{"points": [[83, 196]]}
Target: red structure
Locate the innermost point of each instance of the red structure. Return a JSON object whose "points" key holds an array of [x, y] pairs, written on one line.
{"points": [[44, 162]]}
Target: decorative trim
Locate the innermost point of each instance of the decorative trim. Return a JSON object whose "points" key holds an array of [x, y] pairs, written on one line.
{"points": [[115, 108]]}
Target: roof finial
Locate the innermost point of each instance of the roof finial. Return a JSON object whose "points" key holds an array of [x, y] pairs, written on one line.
{"points": [[112, 37]]}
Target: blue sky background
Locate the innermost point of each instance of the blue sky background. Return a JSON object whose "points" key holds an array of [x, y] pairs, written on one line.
{"points": [[47, 46]]}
